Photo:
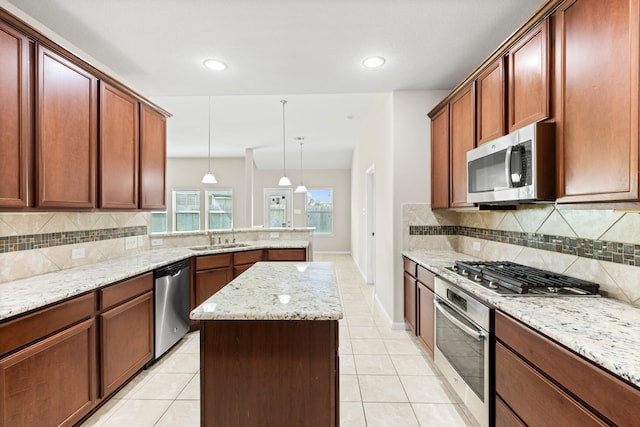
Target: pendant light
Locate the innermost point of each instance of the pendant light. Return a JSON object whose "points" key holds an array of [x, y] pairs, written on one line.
{"points": [[208, 178], [284, 181], [300, 188]]}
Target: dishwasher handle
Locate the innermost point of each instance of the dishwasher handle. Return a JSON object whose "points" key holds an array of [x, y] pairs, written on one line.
{"points": [[173, 270]]}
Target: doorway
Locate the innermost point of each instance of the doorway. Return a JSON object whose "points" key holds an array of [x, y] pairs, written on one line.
{"points": [[370, 213], [278, 208]]}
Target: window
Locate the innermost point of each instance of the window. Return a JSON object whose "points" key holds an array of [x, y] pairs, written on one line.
{"points": [[186, 206], [219, 209], [158, 222], [320, 209]]}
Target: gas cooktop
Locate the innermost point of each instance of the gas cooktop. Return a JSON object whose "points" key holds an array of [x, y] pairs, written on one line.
{"points": [[510, 278]]}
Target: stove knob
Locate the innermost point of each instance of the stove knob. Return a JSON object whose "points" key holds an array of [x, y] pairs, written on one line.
{"points": [[465, 272], [493, 284], [455, 267], [477, 278]]}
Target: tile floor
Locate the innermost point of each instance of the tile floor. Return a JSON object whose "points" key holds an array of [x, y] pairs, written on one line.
{"points": [[386, 378]]}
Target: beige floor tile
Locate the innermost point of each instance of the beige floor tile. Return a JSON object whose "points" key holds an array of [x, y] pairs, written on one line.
{"points": [[177, 363], [381, 388], [141, 413], [132, 386], [425, 389], [403, 346], [162, 386], [369, 332], [412, 365], [352, 414], [374, 365], [192, 390], [191, 344], [347, 364], [439, 415], [368, 346], [182, 413], [345, 347], [102, 415], [349, 388], [389, 415], [360, 320]]}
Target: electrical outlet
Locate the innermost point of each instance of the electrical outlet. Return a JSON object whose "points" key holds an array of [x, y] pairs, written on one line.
{"points": [[275, 235], [77, 253], [475, 246], [140, 240], [130, 242], [156, 242]]}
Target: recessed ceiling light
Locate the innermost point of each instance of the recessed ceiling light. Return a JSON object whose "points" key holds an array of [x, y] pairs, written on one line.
{"points": [[215, 64], [374, 62]]}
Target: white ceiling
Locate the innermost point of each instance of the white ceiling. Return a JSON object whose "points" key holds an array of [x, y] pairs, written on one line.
{"points": [[306, 51]]}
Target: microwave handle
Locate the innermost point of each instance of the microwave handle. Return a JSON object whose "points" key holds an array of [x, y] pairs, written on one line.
{"points": [[507, 166]]}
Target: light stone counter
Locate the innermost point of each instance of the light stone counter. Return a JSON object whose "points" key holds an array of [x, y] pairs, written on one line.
{"points": [[602, 330], [21, 296], [277, 291]]}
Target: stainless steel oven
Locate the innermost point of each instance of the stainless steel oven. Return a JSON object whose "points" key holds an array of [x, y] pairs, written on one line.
{"points": [[463, 347]]}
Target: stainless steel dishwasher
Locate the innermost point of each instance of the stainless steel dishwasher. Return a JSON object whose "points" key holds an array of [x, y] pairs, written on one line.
{"points": [[171, 305]]}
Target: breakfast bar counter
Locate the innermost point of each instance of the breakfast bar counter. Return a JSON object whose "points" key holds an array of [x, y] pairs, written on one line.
{"points": [[269, 347]]}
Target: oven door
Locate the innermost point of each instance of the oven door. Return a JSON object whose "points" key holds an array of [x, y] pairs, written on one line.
{"points": [[462, 355]]}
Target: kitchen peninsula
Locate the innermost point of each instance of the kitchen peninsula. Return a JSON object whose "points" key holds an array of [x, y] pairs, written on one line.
{"points": [[269, 347]]}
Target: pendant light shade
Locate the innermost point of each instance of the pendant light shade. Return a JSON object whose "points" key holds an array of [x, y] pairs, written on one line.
{"points": [[209, 178], [300, 188], [284, 181]]}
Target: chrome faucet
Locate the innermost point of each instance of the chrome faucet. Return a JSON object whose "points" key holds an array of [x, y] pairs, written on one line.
{"points": [[233, 233]]}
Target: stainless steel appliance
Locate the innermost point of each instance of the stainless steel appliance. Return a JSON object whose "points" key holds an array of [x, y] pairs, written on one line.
{"points": [[171, 305], [518, 167], [463, 347], [509, 278]]}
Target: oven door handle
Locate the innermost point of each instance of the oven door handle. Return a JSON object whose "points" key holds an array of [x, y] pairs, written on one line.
{"points": [[479, 335]]}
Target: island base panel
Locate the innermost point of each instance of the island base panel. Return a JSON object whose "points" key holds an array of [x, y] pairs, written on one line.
{"points": [[269, 373]]}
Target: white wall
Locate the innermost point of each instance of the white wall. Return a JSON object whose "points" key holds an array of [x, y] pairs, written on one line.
{"points": [[396, 138], [233, 173]]}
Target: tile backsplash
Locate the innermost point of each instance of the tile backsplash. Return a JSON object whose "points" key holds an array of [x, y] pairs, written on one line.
{"points": [[40, 242], [597, 245]]}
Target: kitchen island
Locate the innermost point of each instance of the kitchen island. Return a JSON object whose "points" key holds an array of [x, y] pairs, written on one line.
{"points": [[269, 347]]}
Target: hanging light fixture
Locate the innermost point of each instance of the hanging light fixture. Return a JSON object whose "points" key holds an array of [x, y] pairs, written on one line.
{"points": [[300, 188], [208, 178], [284, 181]]}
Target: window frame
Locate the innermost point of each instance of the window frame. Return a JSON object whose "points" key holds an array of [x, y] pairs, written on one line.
{"points": [[306, 207], [175, 212], [207, 211]]}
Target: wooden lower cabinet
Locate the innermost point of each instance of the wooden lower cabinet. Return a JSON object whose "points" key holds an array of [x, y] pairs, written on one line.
{"points": [[209, 282], [269, 373], [126, 341], [293, 254], [426, 317], [245, 259], [534, 372], [53, 382], [410, 301]]}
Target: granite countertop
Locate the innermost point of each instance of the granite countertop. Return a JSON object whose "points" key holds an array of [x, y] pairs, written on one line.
{"points": [[602, 330], [277, 291], [21, 296]]}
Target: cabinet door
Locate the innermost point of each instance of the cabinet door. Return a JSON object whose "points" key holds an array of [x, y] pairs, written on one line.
{"points": [[463, 139], [287, 254], [596, 45], [410, 302], [490, 102], [529, 78], [426, 313], [66, 133], [52, 382], [16, 140], [153, 158], [119, 147], [440, 159], [209, 282], [126, 341]]}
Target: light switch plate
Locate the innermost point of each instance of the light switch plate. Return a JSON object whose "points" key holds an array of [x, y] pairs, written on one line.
{"points": [[140, 240], [156, 242], [77, 253], [275, 235], [475, 246], [130, 242]]}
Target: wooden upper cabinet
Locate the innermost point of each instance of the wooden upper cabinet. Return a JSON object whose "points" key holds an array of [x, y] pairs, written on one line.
{"points": [[440, 159], [528, 78], [66, 123], [463, 139], [16, 140], [153, 153], [596, 77], [490, 90], [119, 148]]}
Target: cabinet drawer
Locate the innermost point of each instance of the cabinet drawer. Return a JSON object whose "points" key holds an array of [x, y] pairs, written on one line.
{"points": [[123, 291], [426, 277], [513, 376], [31, 327], [607, 394], [206, 262], [287, 254], [410, 266], [247, 257], [505, 416]]}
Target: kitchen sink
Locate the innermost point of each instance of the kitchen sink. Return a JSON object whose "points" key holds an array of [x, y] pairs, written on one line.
{"points": [[219, 246]]}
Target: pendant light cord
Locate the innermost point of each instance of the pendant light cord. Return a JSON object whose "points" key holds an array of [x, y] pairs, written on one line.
{"points": [[209, 134], [284, 158]]}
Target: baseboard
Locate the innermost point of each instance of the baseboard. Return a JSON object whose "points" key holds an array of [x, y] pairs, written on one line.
{"points": [[399, 326]]}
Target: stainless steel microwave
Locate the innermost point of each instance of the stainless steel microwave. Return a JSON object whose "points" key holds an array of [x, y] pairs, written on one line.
{"points": [[518, 167]]}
